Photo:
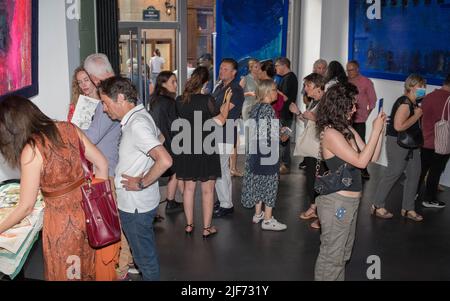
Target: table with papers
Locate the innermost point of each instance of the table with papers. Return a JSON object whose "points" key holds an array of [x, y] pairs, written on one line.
{"points": [[16, 243]]}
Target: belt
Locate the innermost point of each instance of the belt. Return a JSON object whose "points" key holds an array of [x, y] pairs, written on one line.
{"points": [[64, 191]]}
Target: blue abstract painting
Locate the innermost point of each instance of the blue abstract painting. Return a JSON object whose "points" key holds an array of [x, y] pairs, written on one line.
{"points": [[394, 38], [251, 29]]}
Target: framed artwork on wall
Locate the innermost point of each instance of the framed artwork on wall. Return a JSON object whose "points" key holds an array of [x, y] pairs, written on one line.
{"points": [[393, 38], [251, 29], [18, 47]]}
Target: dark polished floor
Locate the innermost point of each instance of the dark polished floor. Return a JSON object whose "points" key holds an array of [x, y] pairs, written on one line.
{"points": [[242, 251]]}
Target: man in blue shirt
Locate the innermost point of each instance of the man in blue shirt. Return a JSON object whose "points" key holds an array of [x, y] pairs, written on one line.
{"points": [[227, 79], [105, 134]]}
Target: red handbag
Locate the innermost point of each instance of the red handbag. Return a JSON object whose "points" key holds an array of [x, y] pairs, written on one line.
{"points": [[100, 209]]}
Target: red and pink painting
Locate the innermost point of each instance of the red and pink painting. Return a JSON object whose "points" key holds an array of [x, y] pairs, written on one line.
{"points": [[16, 45]]}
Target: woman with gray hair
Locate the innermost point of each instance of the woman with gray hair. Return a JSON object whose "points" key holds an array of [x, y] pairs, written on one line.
{"points": [[405, 116], [261, 179]]}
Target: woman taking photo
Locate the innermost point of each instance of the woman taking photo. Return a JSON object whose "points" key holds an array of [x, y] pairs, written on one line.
{"points": [[162, 108], [48, 155], [405, 116], [341, 148]]}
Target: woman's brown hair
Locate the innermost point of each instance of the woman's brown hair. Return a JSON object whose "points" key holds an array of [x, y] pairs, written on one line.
{"points": [[199, 77], [22, 123], [76, 91]]}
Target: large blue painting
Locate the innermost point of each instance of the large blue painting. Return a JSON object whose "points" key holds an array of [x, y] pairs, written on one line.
{"points": [[251, 29], [394, 38]]}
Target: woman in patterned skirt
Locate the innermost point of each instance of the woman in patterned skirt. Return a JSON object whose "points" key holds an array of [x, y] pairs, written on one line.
{"points": [[260, 184]]}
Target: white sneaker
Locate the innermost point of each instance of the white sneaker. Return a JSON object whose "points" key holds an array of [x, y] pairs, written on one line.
{"points": [[133, 271], [273, 225], [258, 218]]}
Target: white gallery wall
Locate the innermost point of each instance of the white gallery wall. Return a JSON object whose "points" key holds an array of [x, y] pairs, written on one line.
{"points": [[54, 82], [324, 34]]}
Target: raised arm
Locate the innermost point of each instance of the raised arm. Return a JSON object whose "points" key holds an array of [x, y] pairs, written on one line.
{"points": [[221, 119], [31, 166], [335, 143]]}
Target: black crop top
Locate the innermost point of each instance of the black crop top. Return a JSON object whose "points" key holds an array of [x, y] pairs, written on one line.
{"points": [[333, 165]]}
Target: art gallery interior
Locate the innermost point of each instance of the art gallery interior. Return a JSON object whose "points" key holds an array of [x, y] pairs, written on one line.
{"points": [[131, 30]]}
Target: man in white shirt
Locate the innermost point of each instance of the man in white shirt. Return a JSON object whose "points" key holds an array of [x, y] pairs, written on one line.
{"points": [[156, 65], [142, 160]]}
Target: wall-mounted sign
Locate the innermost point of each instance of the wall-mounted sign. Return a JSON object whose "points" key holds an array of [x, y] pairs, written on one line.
{"points": [[151, 14]]}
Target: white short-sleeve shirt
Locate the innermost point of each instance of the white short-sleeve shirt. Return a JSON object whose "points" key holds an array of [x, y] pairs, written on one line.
{"points": [[139, 137], [156, 64]]}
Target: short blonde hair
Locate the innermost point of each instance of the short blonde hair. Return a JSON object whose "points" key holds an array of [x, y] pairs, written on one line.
{"points": [[414, 80], [263, 89], [252, 62]]}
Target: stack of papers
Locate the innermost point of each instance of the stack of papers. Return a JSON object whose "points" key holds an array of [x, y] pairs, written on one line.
{"points": [[16, 243]]}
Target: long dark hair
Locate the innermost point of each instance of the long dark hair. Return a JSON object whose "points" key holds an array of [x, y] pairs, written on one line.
{"points": [[269, 67], [199, 77], [160, 90], [335, 70], [335, 109], [22, 123]]}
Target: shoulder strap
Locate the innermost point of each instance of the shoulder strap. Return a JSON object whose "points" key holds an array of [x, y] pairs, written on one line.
{"points": [[446, 105], [84, 163]]}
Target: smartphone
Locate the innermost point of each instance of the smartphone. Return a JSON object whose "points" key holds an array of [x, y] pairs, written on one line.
{"points": [[380, 105], [286, 131]]}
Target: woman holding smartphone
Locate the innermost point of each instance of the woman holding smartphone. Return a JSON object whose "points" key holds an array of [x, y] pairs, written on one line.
{"points": [[342, 147]]}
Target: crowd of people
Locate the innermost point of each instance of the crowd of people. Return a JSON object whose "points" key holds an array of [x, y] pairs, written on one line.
{"points": [[192, 137]]}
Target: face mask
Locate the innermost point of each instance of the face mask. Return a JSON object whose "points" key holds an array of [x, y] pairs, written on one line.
{"points": [[421, 92]]}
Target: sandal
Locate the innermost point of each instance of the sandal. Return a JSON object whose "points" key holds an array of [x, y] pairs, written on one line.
{"points": [[308, 214], [236, 173], [211, 230], [189, 228], [412, 215], [315, 224], [374, 210]]}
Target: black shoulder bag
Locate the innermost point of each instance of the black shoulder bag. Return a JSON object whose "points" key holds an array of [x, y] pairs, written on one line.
{"points": [[412, 137], [331, 182], [255, 160]]}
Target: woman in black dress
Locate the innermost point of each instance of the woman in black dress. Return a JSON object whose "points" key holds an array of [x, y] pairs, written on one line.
{"points": [[192, 161], [162, 108]]}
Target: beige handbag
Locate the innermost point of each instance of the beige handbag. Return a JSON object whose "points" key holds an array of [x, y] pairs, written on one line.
{"points": [[442, 132], [308, 144]]}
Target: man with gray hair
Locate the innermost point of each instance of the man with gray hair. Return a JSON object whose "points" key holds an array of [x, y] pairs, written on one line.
{"points": [[142, 160], [320, 67], [105, 134]]}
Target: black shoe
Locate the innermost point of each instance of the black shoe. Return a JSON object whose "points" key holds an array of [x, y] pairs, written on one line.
{"points": [[365, 174], [216, 205], [433, 204], [173, 206], [302, 165], [158, 218], [220, 212]]}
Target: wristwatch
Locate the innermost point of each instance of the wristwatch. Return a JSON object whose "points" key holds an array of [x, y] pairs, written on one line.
{"points": [[140, 184]]}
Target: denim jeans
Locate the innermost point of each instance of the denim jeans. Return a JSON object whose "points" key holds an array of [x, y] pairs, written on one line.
{"points": [[138, 228]]}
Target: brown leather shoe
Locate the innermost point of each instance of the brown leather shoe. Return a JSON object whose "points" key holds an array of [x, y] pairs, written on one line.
{"points": [[284, 170]]}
